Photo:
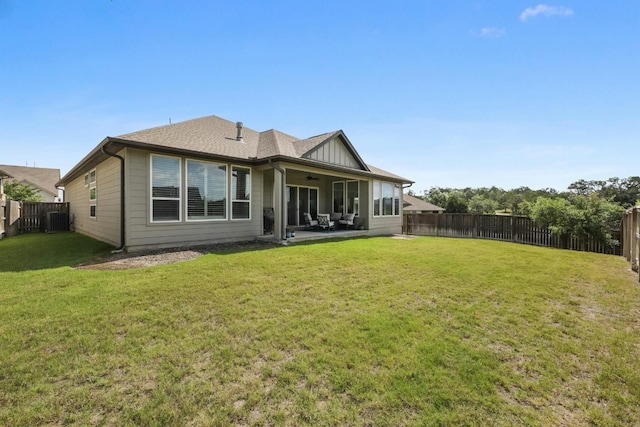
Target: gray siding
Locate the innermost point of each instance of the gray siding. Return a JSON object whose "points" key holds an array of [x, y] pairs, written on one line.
{"points": [[381, 225], [106, 225], [267, 193], [142, 233]]}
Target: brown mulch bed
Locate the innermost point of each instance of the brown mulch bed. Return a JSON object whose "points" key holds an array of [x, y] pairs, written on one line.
{"points": [[148, 258]]}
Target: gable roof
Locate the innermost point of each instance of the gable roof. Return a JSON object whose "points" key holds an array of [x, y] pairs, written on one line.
{"points": [[43, 179], [4, 174], [412, 203], [212, 136]]}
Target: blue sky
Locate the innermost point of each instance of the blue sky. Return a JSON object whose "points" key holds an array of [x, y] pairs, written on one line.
{"points": [[450, 94]]}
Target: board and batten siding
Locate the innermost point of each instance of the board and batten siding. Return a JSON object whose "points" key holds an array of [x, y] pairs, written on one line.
{"points": [[334, 152], [143, 234], [106, 225]]}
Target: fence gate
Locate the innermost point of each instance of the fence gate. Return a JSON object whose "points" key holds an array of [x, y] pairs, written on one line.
{"points": [[44, 217]]}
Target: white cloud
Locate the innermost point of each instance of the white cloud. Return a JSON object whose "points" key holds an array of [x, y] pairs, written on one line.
{"points": [[545, 10], [492, 33]]}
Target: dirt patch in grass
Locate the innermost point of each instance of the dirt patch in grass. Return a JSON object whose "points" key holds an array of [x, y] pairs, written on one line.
{"points": [[149, 258]]}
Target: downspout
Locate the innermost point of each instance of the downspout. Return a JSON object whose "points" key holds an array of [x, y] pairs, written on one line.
{"points": [[122, 198], [283, 197]]}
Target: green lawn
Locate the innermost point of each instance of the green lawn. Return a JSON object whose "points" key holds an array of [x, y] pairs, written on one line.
{"points": [[377, 331]]}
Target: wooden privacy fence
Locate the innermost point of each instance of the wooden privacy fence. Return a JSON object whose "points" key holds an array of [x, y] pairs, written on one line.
{"points": [[44, 217], [9, 218], [518, 229], [631, 238]]}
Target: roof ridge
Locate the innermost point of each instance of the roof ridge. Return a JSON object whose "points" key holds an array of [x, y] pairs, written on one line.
{"points": [[184, 123], [280, 132], [320, 134]]}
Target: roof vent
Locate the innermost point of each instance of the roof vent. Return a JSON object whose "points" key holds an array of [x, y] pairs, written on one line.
{"points": [[239, 127]]}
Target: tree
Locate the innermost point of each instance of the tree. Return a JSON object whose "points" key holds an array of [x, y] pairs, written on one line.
{"points": [[482, 205], [556, 214], [436, 196], [456, 203], [598, 217], [583, 216], [21, 192]]}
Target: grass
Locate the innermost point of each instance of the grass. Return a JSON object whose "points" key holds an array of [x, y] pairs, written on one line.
{"points": [[360, 332]]}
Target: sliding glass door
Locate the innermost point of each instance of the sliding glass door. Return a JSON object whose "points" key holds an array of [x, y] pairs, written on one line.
{"points": [[299, 201]]}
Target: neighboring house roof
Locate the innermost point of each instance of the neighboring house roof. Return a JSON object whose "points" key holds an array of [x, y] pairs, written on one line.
{"points": [[411, 203], [4, 175], [217, 137], [43, 179]]}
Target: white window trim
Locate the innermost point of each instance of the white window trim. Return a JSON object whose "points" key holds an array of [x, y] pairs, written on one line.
{"points": [[180, 198], [333, 194], [308, 187], [381, 203], [186, 194], [232, 195], [345, 195], [92, 185]]}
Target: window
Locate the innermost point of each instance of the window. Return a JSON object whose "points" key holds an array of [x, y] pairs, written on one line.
{"points": [[93, 192], [209, 186], [376, 197], [386, 199], [338, 197], [165, 188], [240, 193], [346, 197], [206, 190], [353, 199]]}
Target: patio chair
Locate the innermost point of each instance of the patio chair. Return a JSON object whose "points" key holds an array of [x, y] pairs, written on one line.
{"points": [[309, 222], [347, 220], [335, 216], [325, 222]]}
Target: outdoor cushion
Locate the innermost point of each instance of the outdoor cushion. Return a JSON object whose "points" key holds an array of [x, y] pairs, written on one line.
{"points": [[347, 220], [309, 221], [324, 221]]}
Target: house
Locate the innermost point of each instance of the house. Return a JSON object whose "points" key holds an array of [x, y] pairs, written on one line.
{"points": [[43, 180], [212, 180], [413, 205], [4, 176]]}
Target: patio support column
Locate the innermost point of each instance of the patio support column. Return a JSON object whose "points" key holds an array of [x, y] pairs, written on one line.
{"points": [[279, 201]]}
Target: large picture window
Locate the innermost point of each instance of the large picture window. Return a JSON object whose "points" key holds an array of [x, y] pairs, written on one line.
{"points": [[240, 193], [386, 199], [206, 190], [165, 188]]}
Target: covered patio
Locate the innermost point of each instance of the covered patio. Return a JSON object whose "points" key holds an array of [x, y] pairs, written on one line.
{"points": [[305, 235], [293, 191]]}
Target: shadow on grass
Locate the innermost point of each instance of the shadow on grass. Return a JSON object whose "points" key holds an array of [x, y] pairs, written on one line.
{"points": [[154, 257], [38, 251]]}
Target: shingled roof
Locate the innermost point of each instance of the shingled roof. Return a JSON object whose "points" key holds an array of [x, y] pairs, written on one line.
{"points": [[44, 179], [411, 203], [217, 137]]}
